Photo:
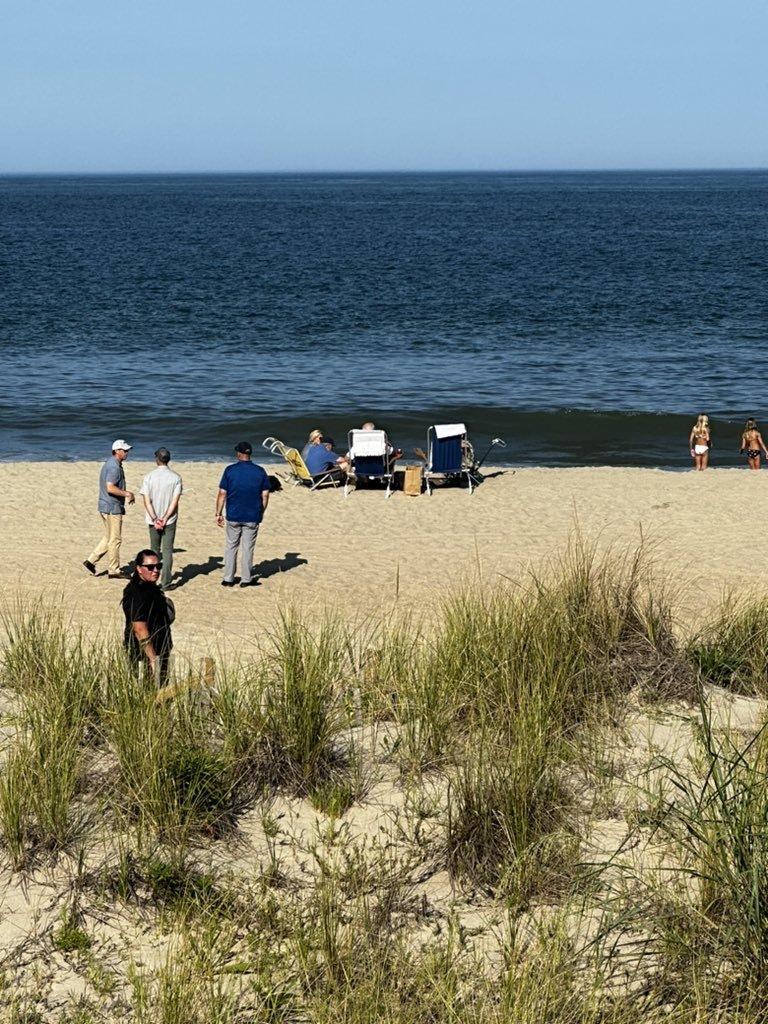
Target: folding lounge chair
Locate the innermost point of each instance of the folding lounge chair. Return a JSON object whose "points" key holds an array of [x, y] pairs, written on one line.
{"points": [[449, 454], [369, 457], [298, 470]]}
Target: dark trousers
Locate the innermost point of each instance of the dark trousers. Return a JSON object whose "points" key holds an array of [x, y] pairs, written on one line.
{"points": [[161, 542]]}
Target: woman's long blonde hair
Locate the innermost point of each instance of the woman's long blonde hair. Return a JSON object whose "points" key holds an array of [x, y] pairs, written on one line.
{"points": [[701, 426], [314, 435], [749, 426]]}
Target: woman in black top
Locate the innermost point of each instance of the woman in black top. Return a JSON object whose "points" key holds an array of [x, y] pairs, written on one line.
{"points": [[147, 636]]}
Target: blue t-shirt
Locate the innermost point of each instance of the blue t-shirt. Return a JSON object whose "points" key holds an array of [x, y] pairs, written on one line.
{"points": [[318, 459], [111, 473], [244, 482]]}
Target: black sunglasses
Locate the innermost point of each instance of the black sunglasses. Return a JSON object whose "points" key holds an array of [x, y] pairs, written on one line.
{"points": [[153, 566]]}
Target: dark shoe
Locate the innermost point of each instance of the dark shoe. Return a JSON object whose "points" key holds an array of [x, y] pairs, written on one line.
{"points": [[90, 567], [250, 583], [118, 575], [227, 583]]}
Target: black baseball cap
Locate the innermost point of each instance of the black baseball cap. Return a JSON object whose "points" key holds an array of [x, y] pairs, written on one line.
{"points": [[243, 448], [328, 440]]}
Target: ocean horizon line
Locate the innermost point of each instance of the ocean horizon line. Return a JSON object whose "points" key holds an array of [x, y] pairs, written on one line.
{"points": [[394, 171]]}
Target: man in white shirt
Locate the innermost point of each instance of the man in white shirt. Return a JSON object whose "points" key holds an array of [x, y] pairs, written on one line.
{"points": [[161, 491]]}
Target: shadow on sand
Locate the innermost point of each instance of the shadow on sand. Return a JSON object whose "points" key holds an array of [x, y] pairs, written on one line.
{"points": [[270, 567], [290, 560], [189, 572]]}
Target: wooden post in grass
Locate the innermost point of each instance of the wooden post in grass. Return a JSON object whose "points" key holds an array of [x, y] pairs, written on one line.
{"points": [[207, 671], [205, 679]]}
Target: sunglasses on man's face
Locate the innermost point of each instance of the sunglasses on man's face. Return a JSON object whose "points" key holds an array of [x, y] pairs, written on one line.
{"points": [[152, 566]]}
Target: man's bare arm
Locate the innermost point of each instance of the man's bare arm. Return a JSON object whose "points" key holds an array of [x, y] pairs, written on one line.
{"points": [[172, 508], [221, 497], [117, 492]]}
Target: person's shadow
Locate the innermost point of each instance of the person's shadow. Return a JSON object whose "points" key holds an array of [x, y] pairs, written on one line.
{"points": [[272, 566], [189, 572]]}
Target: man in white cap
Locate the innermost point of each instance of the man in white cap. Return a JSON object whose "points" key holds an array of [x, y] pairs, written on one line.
{"points": [[112, 499]]}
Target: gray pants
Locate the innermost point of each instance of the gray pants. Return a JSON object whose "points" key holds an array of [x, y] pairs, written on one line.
{"points": [[242, 537], [161, 542]]}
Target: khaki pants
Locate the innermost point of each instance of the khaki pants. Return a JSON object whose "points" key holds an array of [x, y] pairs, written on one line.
{"points": [[110, 543]]}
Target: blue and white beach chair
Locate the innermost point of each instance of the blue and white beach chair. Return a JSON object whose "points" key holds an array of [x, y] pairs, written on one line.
{"points": [[450, 455], [370, 457]]}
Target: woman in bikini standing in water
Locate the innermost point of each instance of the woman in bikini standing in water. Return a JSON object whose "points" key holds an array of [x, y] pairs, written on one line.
{"points": [[752, 443], [700, 442]]}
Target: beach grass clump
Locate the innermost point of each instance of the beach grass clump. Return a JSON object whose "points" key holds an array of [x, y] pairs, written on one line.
{"points": [[176, 884], [54, 760], [39, 782], [706, 918], [720, 825], [350, 954], [168, 880], [354, 971], [732, 651], [349, 933], [237, 716], [173, 779], [15, 807], [568, 642], [508, 826], [388, 661], [612, 621], [43, 657], [192, 985], [532, 671], [303, 703], [560, 976], [335, 794], [71, 936], [37, 646]]}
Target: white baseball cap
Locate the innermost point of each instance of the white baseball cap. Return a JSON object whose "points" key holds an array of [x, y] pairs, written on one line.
{"points": [[119, 445]]}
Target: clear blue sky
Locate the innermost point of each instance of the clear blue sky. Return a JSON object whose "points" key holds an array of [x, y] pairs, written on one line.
{"points": [[104, 85]]}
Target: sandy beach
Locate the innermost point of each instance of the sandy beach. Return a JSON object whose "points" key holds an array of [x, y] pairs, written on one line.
{"points": [[364, 554]]}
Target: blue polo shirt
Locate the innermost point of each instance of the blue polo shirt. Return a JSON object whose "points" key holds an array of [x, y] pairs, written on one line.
{"points": [[111, 473], [318, 459], [244, 483]]}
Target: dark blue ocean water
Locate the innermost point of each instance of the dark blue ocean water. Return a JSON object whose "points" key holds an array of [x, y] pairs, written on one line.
{"points": [[585, 318]]}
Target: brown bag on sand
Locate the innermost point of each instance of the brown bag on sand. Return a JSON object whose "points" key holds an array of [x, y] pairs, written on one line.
{"points": [[413, 479]]}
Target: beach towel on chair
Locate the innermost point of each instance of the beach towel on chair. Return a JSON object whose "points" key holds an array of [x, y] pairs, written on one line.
{"points": [[369, 457]]}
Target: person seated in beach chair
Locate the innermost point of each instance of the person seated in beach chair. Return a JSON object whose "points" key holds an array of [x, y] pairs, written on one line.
{"points": [[393, 452], [450, 455], [322, 460], [370, 457], [315, 437], [300, 472]]}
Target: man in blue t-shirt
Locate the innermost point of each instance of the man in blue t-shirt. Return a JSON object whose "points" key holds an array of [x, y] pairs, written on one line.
{"points": [[321, 458], [244, 488]]}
